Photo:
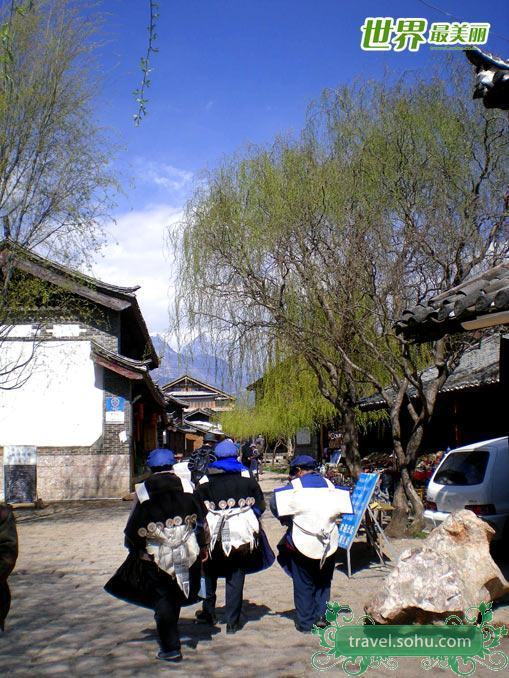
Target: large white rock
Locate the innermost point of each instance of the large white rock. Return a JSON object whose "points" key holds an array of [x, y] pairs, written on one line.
{"points": [[451, 571]]}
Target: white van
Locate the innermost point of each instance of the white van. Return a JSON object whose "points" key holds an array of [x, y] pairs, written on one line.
{"points": [[474, 477]]}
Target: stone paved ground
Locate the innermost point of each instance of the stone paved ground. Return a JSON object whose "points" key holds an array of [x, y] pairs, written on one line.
{"points": [[63, 623]]}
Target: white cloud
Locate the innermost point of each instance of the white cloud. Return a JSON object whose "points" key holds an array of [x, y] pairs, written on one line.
{"points": [[209, 105], [138, 256], [162, 175]]}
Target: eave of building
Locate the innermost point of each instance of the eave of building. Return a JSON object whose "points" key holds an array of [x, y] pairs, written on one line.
{"points": [[172, 399], [104, 294], [480, 302], [186, 429], [207, 427], [376, 403], [491, 78], [201, 410], [209, 389], [134, 370], [198, 395]]}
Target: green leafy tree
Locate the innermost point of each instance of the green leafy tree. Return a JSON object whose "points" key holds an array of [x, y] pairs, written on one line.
{"points": [[431, 173], [56, 182], [55, 177], [257, 279]]}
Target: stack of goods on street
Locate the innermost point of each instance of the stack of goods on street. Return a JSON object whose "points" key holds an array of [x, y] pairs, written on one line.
{"points": [[338, 474], [426, 466], [376, 462]]}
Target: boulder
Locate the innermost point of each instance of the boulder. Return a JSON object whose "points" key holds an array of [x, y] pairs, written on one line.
{"points": [[451, 571]]}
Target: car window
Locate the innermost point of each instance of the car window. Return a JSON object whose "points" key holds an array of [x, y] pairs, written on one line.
{"points": [[463, 468]]}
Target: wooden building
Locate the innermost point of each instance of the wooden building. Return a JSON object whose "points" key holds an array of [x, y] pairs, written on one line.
{"points": [[472, 405], [198, 395], [174, 435], [194, 403]]}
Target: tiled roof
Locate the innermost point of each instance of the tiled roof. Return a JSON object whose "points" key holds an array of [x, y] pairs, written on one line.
{"points": [[483, 296], [186, 380], [491, 78], [105, 294]]}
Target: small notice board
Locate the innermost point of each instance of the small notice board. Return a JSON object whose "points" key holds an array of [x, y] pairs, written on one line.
{"points": [[350, 523], [20, 474]]}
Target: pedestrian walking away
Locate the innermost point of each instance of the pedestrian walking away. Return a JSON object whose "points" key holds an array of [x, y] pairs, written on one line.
{"points": [[202, 457], [309, 507], [238, 545], [167, 540], [8, 557], [254, 460]]}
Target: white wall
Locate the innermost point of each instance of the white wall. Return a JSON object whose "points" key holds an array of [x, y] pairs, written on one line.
{"points": [[61, 404]]}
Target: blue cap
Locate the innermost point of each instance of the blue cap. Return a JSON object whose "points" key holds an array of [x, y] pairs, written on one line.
{"points": [[225, 449], [303, 461], [160, 457]]}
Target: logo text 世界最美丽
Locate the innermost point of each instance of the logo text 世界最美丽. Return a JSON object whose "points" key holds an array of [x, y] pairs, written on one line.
{"points": [[387, 33]]}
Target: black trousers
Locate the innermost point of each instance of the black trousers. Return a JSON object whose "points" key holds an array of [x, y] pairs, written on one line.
{"points": [[166, 615], [5, 602], [234, 583]]}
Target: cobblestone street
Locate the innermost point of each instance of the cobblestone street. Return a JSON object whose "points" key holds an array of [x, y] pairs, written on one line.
{"points": [[63, 623]]}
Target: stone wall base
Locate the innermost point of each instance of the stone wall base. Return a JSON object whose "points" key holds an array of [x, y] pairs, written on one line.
{"points": [[82, 476], [78, 473]]}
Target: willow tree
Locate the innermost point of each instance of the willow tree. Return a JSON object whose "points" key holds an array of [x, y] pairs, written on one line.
{"points": [[392, 193], [261, 241], [287, 399]]}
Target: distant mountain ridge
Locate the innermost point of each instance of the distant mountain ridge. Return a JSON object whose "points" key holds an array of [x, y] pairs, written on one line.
{"points": [[197, 360]]}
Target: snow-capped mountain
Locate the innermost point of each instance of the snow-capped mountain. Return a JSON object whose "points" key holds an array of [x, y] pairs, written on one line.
{"points": [[196, 359]]}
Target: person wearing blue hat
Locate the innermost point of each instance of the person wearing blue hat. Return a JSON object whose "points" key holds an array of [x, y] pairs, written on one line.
{"points": [[309, 506], [238, 545], [167, 542]]}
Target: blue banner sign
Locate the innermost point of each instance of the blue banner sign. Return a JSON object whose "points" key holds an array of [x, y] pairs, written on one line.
{"points": [[361, 496]]}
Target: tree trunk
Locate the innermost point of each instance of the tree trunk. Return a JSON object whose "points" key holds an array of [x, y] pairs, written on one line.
{"points": [[399, 518], [416, 505], [408, 508], [274, 453], [289, 447], [407, 517], [351, 440]]}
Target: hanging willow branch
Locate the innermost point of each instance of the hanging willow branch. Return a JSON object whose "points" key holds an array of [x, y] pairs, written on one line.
{"points": [[140, 93]]}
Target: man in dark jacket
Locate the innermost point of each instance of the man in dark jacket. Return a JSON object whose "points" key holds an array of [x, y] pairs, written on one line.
{"points": [[8, 556], [202, 457], [166, 532], [237, 544]]}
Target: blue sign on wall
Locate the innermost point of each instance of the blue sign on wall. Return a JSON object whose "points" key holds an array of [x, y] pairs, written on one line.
{"points": [[361, 497], [115, 410]]}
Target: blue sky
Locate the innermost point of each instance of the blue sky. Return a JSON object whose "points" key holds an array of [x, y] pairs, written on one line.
{"points": [[228, 72]]}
